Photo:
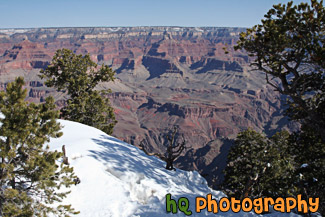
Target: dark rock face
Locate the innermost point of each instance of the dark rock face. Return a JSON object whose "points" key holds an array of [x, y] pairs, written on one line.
{"points": [[209, 160], [166, 76]]}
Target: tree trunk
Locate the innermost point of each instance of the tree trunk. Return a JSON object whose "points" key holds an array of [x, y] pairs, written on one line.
{"points": [[169, 164]]}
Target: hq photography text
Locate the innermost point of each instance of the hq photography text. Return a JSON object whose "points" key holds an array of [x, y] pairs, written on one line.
{"points": [[258, 205]]}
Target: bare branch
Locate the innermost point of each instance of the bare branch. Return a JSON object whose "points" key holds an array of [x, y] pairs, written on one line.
{"points": [[141, 147]]}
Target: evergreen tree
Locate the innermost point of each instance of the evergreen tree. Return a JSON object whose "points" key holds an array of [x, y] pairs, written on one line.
{"points": [[29, 175], [289, 48], [78, 76], [258, 166], [308, 151]]}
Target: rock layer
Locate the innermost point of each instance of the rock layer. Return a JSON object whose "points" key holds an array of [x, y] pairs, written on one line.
{"points": [[166, 76]]}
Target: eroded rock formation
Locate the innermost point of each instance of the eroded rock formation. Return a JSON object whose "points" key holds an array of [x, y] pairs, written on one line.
{"points": [[165, 76]]}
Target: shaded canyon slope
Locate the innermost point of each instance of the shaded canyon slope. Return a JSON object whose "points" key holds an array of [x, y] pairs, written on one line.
{"points": [[166, 76]]}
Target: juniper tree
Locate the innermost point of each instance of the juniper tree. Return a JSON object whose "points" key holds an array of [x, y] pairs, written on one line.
{"points": [[78, 76], [30, 177]]}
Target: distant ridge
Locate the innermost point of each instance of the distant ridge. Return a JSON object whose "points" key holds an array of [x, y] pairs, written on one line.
{"points": [[79, 32]]}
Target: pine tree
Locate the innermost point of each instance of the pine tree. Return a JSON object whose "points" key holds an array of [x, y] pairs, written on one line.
{"points": [[78, 76], [258, 166], [308, 152], [288, 46], [29, 173]]}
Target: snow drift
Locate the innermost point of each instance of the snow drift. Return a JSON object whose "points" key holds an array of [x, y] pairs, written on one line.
{"points": [[119, 180]]}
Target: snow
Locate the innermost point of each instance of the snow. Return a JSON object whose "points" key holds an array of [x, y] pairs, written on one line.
{"points": [[13, 31], [119, 180], [304, 165]]}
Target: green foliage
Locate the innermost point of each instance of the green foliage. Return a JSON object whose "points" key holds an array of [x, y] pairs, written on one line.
{"points": [[258, 166], [78, 75], [308, 151], [289, 46], [29, 175]]}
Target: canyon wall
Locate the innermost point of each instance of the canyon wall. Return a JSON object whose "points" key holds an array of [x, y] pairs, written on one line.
{"points": [[166, 76]]}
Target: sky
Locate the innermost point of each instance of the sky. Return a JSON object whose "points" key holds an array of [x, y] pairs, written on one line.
{"points": [[95, 13]]}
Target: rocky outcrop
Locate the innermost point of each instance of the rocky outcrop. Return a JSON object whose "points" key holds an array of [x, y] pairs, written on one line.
{"points": [[210, 64]]}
